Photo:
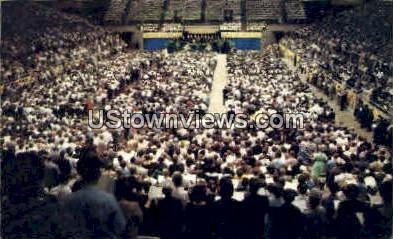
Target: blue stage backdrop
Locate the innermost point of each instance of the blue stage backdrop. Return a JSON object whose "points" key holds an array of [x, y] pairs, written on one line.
{"points": [[246, 43], [155, 44]]}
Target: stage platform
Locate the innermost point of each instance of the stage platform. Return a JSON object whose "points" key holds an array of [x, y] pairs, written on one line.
{"points": [[162, 35], [202, 29], [225, 35]]}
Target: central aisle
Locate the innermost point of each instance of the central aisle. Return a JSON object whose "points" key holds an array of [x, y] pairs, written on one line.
{"points": [[219, 82]]}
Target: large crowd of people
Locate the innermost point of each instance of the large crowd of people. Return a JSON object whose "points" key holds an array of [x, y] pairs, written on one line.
{"points": [[62, 179], [352, 47], [49, 38]]}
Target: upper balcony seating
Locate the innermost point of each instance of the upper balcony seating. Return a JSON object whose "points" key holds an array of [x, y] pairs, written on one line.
{"points": [[235, 6], [115, 12], [214, 10], [192, 10], [145, 10], [175, 10], [263, 10], [295, 10]]}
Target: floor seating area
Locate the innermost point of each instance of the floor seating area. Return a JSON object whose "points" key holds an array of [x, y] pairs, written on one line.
{"points": [[190, 129]]}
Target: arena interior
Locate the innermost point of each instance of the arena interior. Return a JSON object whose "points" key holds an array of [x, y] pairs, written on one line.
{"points": [[71, 168]]}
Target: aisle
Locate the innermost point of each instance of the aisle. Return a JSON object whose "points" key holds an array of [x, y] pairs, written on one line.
{"points": [[219, 82]]}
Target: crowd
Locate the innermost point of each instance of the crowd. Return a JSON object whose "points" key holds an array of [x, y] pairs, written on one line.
{"points": [[49, 38], [62, 179], [351, 47]]}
